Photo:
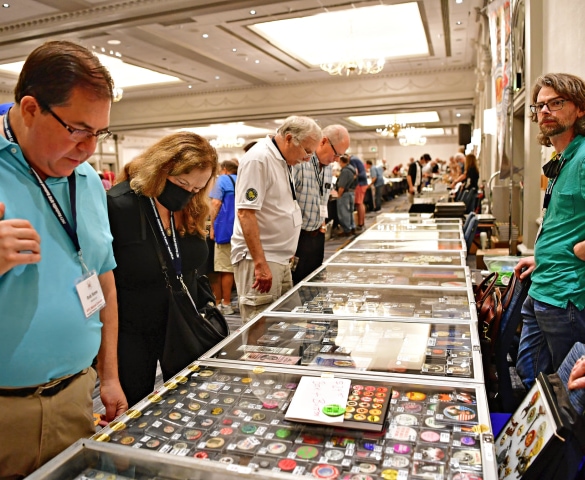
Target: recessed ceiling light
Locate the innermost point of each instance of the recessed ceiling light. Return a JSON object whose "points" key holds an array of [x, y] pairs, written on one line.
{"points": [[256, 61], [234, 49], [190, 86], [205, 35], [114, 42], [252, 12], [217, 77], [458, 1], [6, 5], [459, 23], [457, 114]]}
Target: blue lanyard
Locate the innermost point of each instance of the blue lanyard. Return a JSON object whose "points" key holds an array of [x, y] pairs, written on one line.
{"points": [[174, 252], [320, 178], [54, 204]]}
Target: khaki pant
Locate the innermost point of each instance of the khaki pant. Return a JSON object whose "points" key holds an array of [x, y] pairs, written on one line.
{"points": [[35, 429], [251, 301]]}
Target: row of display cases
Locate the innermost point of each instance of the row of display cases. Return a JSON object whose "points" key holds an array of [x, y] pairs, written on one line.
{"points": [[394, 319]]}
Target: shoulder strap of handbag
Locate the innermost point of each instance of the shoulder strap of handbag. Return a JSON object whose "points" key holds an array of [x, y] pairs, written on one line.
{"points": [[232, 180], [165, 269]]}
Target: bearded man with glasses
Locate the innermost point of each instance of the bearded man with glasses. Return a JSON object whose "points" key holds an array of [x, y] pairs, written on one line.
{"points": [[554, 311]]}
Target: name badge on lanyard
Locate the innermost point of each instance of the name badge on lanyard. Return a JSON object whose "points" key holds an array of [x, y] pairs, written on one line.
{"points": [[90, 293], [323, 213]]}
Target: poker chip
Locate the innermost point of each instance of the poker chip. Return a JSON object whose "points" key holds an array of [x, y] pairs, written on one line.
{"points": [[283, 433], [192, 434], [258, 417], [270, 404], [306, 452], [248, 429], [367, 468], [334, 455], [287, 464], [201, 455], [215, 442], [276, 448], [389, 474], [248, 443], [333, 410], [325, 472]]}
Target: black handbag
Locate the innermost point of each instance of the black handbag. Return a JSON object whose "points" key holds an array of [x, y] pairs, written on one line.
{"points": [[193, 327], [190, 331]]}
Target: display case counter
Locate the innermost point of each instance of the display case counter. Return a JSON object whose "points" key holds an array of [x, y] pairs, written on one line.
{"points": [[237, 415], [379, 257], [416, 226], [377, 301], [418, 234], [407, 245], [414, 218], [97, 460], [368, 345], [404, 275]]}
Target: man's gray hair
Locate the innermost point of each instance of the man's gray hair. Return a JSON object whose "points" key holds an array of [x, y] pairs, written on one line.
{"points": [[300, 128], [336, 133]]}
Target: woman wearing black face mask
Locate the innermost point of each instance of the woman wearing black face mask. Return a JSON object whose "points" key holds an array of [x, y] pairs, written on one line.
{"points": [[163, 192]]}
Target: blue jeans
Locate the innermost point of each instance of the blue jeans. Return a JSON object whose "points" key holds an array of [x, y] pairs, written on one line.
{"points": [[548, 333], [345, 205]]}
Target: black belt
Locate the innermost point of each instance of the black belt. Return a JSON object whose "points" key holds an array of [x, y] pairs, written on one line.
{"points": [[312, 233], [46, 390]]}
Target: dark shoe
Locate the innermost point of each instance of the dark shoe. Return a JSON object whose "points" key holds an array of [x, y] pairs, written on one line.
{"points": [[352, 232]]}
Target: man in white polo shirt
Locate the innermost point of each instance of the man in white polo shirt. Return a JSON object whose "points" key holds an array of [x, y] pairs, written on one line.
{"points": [[268, 220]]}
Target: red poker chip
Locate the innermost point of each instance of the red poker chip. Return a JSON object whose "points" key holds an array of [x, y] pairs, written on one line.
{"points": [[287, 464]]}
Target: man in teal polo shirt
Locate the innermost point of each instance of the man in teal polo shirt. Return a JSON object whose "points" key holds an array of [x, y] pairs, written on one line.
{"points": [[57, 289], [554, 312]]}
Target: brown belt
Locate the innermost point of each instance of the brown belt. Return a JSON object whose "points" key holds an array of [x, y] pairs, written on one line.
{"points": [[45, 390]]}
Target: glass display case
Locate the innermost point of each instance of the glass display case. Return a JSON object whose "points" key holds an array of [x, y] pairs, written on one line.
{"points": [[416, 226], [237, 415], [411, 234], [377, 301], [427, 348], [435, 276], [407, 245], [97, 460], [378, 257]]}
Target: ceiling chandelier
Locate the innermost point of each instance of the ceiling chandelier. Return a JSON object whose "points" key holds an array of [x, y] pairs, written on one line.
{"points": [[390, 129], [223, 141], [411, 136], [354, 66]]}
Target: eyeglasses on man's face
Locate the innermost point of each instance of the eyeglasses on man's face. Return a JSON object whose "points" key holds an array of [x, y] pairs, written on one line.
{"points": [[337, 155], [307, 153], [78, 135], [553, 105]]}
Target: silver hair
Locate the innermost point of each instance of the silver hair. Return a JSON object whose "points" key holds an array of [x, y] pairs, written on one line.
{"points": [[300, 128]]}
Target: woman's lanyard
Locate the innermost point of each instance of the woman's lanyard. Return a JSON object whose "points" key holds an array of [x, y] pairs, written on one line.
{"points": [[320, 178], [54, 204], [174, 252]]}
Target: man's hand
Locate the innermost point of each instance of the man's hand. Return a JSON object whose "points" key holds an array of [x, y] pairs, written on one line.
{"points": [[579, 250], [577, 377], [20, 244], [262, 277], [525, 262], [113, 399]]}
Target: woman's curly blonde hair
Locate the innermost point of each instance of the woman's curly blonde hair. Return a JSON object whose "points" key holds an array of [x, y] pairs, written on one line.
{"points": [[172, 155]]}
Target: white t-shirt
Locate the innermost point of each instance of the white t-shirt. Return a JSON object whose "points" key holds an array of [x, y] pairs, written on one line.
{"points": [[264, 185]]}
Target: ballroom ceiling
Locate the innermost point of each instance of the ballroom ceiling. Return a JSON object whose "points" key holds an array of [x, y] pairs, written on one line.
{"points": [[211, 48]]}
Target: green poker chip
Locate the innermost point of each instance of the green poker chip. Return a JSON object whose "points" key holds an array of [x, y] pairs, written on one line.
{"points": [[333, 410]]}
